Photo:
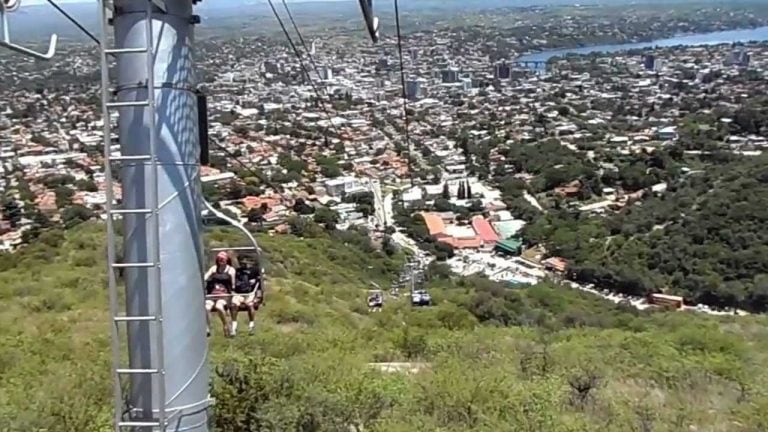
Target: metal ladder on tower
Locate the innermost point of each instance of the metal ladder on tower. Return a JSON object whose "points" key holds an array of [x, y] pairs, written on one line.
{"points": [[151, 214]]}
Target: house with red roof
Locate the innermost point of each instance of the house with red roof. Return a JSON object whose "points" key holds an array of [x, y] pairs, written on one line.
{"points": [[453, 235], [485, 232]]}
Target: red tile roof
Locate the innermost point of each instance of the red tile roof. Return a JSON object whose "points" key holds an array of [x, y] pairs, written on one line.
{"points": [[253, 201], [462, 243], [434, 223], [556, 263], [484, 230]]}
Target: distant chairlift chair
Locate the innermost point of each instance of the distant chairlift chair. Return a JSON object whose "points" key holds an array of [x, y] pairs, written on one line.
{"points": [[421, 297], [375, 300]]}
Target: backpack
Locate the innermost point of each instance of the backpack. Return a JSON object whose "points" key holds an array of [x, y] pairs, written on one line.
{"points": [[243, 281]]}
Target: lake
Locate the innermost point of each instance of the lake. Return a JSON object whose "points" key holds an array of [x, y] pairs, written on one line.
{"points": [[714, 38]]}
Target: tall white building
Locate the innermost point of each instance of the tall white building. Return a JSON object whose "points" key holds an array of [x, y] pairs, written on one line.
{"points": [[326, 73]]}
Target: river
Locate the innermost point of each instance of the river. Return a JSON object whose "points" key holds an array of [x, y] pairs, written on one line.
{"points": [[714, 38]]}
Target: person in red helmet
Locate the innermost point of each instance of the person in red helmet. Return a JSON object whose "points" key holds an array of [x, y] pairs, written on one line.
{"points": [[219, 283]]}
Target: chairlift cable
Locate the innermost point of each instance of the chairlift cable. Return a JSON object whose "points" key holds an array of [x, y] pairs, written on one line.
{"points": [[74, 21], [301, 40], [404, 95], [303, 68], [311, 61]]}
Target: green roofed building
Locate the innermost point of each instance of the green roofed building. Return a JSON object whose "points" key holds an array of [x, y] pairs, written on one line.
{"points": [[511, 246], [508, 228]]}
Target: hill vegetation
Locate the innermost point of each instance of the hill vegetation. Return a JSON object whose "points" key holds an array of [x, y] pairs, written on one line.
{"points": [[493, 358], [703, 238]]}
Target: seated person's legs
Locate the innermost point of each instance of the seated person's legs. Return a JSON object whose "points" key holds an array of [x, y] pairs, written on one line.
{"points": [[251, 302], [208, 308], [220, 306], [237, 301]]}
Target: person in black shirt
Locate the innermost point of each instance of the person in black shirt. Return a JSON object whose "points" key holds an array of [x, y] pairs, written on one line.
{"points": [[248, 294]]}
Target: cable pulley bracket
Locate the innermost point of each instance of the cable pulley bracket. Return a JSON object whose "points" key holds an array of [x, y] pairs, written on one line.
{"points": [[7, 6]]}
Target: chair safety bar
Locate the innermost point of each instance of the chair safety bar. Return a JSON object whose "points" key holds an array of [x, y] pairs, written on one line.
{"points": [[233, 248], [223, 296], [235, 224]]}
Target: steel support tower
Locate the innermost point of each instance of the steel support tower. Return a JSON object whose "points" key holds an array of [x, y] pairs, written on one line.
{"points": [[165, 383]]}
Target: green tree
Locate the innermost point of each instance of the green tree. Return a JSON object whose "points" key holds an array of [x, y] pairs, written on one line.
{"points": [[329, 167], [388, 246], [302, 207], [291, 164], [443, 205], [12, 212], [256, 215], [75, 214], [87, 185], [63, 196], [326, 217]]}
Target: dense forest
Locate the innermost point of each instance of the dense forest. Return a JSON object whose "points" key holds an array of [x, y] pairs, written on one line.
{"points": [[703, 238], [489, 357]]}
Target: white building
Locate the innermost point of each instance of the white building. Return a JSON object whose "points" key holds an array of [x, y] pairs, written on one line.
{"points": [[340, 186]]}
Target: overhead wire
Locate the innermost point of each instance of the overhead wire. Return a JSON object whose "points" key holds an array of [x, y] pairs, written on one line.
{"points": [[311, 61], [404, 93], [301, 39], [303, 68], [74, 21]]}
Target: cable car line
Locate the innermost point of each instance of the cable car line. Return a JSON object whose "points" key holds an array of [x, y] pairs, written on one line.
{"points": [[303, 68], [404, 93], [74, 21], [313, 63], [301, 40]]}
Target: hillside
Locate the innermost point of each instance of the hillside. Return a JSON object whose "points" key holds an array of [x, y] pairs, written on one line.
{"points": [[704, 238], [543, 359]]}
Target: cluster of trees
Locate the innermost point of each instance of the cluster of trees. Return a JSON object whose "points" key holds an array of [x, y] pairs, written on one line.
{"points": [[329, 167], [464, 191], [13, 209], [703, 239], [303, 226], [415, 227], [552, 163], [364, 202]]}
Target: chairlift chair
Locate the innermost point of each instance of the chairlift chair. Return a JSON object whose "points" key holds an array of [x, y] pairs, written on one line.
{"points": [[249, 268], [420, 298], [375, 300]]}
